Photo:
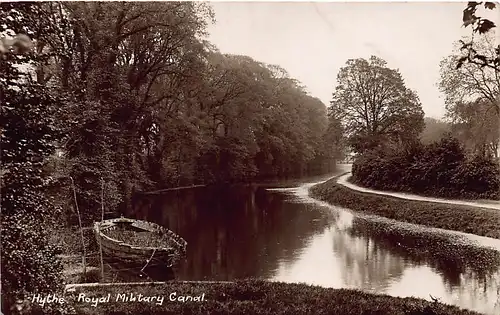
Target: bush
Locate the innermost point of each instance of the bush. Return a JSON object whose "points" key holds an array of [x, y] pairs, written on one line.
{"points": [[440, 169], [381, 170], [478, 177]]}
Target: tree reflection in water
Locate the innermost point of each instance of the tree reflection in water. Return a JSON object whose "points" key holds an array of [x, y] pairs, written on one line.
{"points": [[233, 232], [393, 261]]}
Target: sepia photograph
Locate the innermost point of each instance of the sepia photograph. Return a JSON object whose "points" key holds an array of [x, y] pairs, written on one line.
{"points": [[250, 157]]}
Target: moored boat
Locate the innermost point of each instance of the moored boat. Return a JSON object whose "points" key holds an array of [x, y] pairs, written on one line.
{"points": [[138, 241]]}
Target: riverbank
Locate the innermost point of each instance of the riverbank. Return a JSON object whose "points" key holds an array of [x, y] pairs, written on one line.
{"points": [[467, 219], [248, 297]]}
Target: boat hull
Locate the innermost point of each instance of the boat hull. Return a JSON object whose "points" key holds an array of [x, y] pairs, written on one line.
{"points": [[136, 254]]}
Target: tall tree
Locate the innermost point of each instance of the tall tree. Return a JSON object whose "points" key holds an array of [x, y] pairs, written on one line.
{"points": [[375, 106], [129, 67], [473, 84], [231, 104], [481, 25], [261, 121]]}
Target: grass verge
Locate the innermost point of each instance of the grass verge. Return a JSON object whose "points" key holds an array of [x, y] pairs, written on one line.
{"points": [[479, 221], [256, 297]]}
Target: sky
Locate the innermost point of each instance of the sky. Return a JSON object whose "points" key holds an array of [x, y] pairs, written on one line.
{"points": [[313, 40]]}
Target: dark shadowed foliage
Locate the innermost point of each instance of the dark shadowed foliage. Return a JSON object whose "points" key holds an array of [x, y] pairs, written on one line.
{"points": [[29, 128], [440, 169]]}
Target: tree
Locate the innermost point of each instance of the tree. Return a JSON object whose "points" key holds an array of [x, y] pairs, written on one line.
{"points": [[128, 69], [434, 130], [293, 127], [479, 25], [261, 122], [374, 105], [471, 81], [334, 140], [476, 125], [233, 104]]}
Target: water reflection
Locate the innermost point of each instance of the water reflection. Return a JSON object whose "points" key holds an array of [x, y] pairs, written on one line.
{"points": [[282, 234], [364, 256], [233, 233]]}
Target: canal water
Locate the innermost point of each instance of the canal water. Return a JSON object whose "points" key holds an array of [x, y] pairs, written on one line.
{"points": [[275, 231]]}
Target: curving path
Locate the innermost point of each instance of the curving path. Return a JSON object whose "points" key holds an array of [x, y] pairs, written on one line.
{"points": [[490, 204]]}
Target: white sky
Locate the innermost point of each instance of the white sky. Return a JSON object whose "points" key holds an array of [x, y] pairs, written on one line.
{"points": [[313, 40]]}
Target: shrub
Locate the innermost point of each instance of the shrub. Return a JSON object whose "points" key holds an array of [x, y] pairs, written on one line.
{"points": [[440, 169], [365, 168], [381, 170], [478, 177]]}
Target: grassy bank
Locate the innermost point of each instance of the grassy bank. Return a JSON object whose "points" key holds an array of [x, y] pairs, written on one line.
{"points": [[257, 297], [479, 221]]}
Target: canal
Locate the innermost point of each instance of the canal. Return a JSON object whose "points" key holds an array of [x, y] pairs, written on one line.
{"points": [[275, 231]]}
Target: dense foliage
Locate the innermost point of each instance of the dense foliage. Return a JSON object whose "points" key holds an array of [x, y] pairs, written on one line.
{"points": [[151, 104], [477, 126], [440, 169], [471, 93], [29, 129]]}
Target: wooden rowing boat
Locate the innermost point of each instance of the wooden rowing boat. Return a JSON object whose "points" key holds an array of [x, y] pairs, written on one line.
{"points": [[120, 238]]}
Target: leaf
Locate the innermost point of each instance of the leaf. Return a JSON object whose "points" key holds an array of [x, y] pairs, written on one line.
{"points": [[485, 25], [469, 17], [490, 5]]}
